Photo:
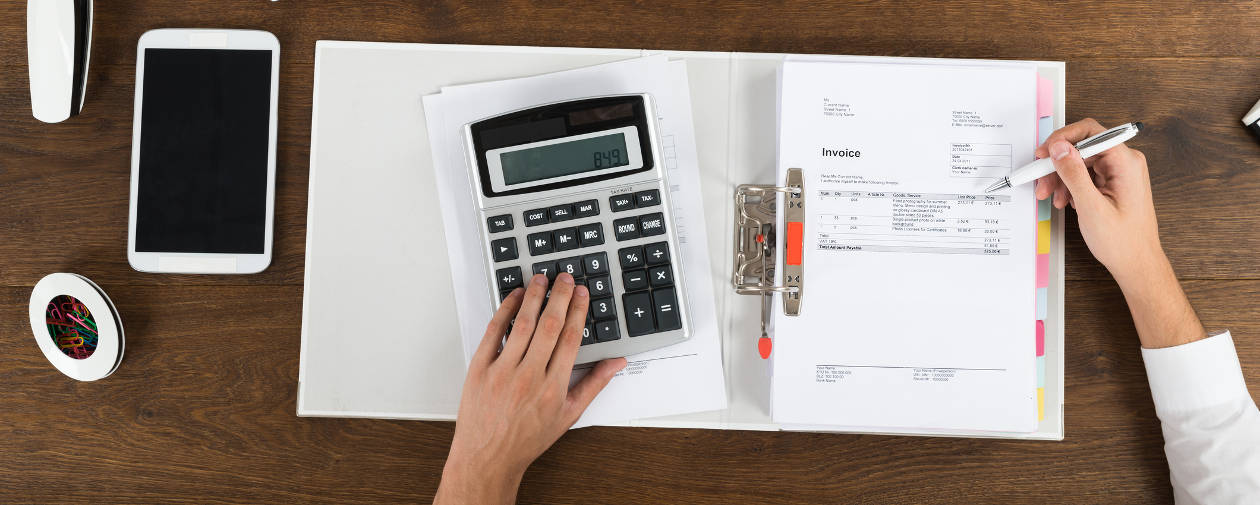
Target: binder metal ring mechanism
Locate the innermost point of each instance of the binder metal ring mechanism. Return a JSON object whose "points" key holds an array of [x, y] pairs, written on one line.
{"points": [[755, 243]]}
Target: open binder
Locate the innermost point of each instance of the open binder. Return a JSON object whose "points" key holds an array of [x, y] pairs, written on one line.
{"points": [[370, 161]]}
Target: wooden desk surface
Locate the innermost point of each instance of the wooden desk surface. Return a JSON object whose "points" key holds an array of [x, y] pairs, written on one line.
{"points": [[203, 408]]}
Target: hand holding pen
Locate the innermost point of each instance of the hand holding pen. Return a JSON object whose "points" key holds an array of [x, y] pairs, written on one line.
{"points": [[1089, 147], [1111, 193]]}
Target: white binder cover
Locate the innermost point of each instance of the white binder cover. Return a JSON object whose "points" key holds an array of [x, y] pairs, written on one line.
{"points": [[378, 336]]}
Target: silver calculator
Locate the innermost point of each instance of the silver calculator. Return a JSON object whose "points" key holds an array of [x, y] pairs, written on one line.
{"points": [[579, 187]]}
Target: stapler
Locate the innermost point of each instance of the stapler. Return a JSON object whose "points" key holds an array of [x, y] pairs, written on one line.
{"points": [[1252, 119], [58, 44]]}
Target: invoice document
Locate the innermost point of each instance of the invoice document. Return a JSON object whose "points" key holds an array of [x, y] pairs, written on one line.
{"points": [[682, 378], [918, 300]]}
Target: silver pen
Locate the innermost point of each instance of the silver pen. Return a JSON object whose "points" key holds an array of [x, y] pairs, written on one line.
{"points": [[1088, 147]]}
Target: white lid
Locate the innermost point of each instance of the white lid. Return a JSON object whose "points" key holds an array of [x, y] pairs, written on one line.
{"points": [[1253, 115]]}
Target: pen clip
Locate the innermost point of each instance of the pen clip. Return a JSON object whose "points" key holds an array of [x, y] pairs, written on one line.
{"points": [[1104, 136]]}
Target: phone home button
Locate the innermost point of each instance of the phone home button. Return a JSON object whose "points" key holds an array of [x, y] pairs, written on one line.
{"points": [[187, 264]]}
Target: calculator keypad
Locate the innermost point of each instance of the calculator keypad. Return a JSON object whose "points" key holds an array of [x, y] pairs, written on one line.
{"points": [[631, 284], [649, 300]]}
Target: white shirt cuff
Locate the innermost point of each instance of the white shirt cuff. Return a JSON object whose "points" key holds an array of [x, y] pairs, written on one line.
{"points": [[1196, 375]]}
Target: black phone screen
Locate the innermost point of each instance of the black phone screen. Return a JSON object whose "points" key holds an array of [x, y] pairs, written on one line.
{"points": [[204, 122]]}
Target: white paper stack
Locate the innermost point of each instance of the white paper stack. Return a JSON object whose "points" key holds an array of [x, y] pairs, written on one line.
{"points": [[918, 313]]}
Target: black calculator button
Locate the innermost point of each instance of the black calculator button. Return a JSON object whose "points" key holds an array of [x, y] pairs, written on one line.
{"points": [[627, 228], [503, 249], [504, 294], [603, 308], [535, 217], [547, 268], [638, 314], [660, 276], [595, 264], [647, 198], [571, 265], [666, 308], [508, 278], [586, 208], [652, 224], [634, 280], [566, 239], [588, 334], [499, 224], [591, 234], [599, 286], [621, 202], [606, 331], [539, 243], [630, 257], [656, 254], [561, 213]]}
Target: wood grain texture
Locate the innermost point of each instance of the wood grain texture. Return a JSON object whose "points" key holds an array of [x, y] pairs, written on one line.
{"points": [[202, 410]]}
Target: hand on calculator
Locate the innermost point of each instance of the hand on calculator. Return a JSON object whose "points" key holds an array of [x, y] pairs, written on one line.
{"points": [[516, 400]]}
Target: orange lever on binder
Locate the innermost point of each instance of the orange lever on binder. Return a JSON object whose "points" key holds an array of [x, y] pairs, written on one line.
{"points": [[795, 235]]}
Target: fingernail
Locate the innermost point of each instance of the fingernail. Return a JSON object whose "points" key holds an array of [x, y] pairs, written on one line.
{"points": [[566, 278], [581, 291], [1059, 150], [540, 280]]}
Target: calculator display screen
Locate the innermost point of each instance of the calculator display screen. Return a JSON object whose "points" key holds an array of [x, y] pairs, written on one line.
{"points": [[562, 145], [565, 158]]}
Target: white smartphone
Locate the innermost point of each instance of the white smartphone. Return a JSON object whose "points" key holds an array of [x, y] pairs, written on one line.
{"points": [[203, 151]]}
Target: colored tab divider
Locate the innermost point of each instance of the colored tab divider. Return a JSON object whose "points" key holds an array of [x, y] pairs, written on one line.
{"points": [[1042, 285], [1045, 121], [1041, 404], [1041, 370], [1041, 338], [1043, 237], [1043, 212], [1043, 270]]}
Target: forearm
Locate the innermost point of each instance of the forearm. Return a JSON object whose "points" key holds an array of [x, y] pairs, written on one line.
{"points": [[1161, 312], [468, 484]]}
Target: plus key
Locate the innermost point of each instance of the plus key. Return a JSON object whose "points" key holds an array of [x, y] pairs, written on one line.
{"points": [[638, 308]]}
